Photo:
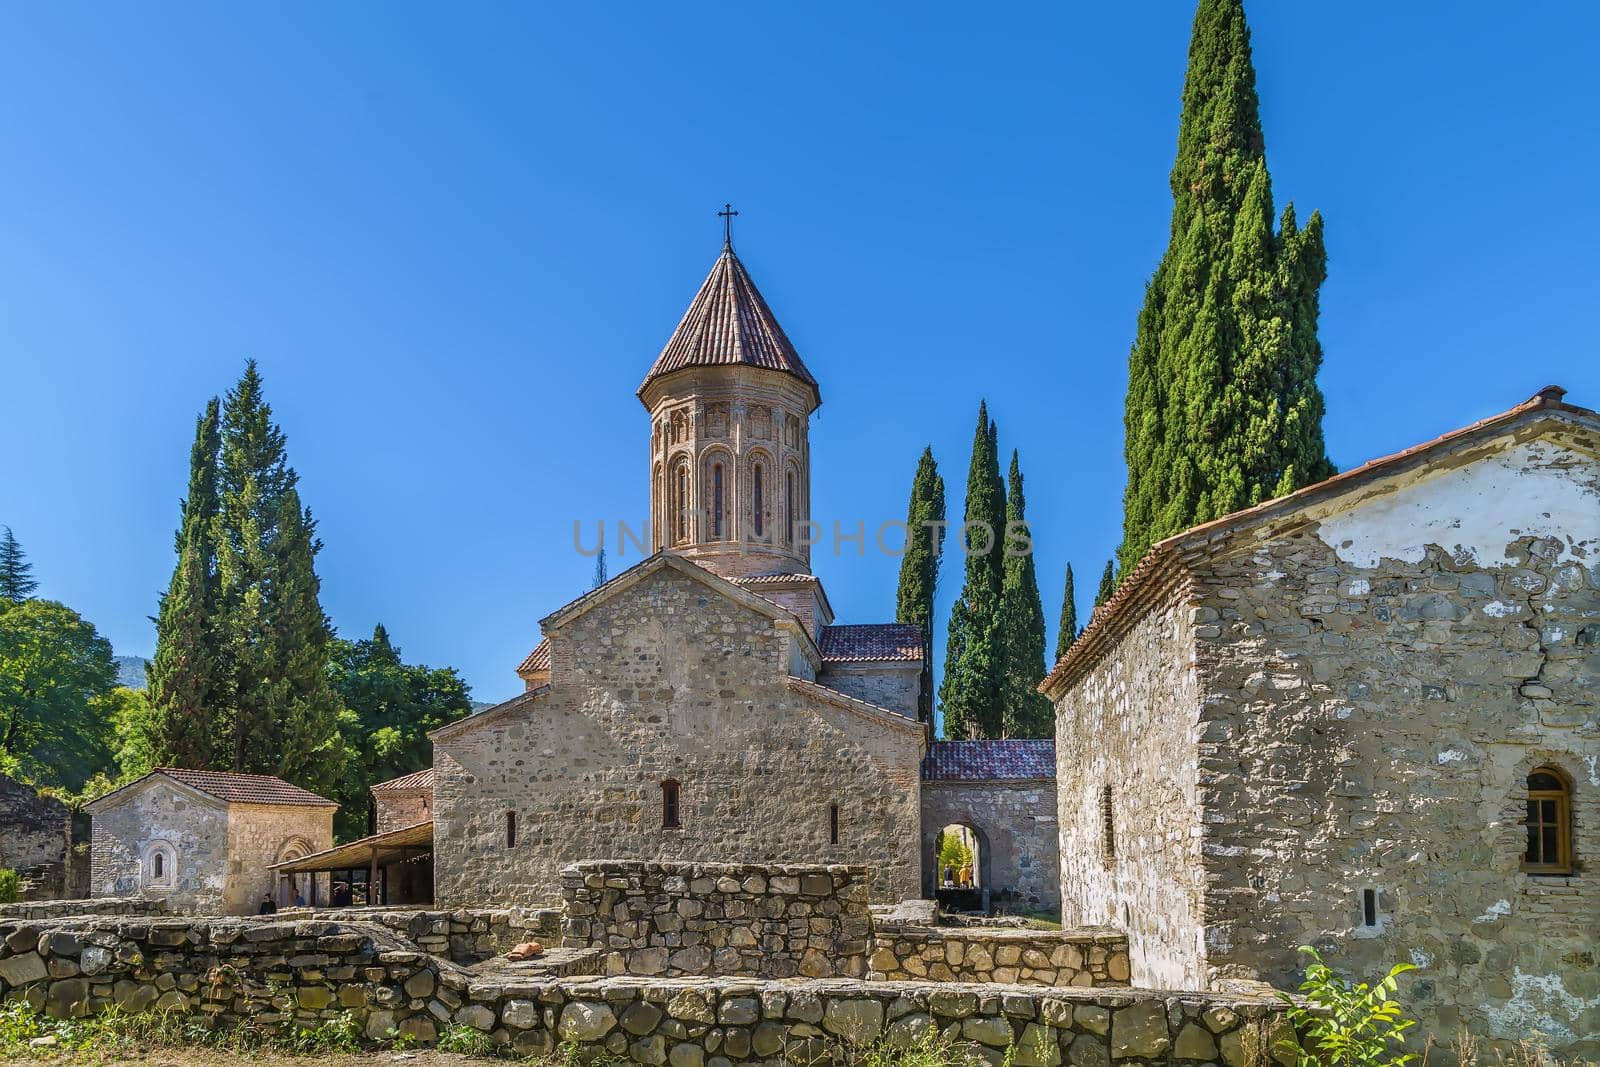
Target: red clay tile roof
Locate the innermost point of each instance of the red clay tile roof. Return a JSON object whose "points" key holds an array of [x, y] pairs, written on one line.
{"points": [[245, 788], [416, 780], [729, 323], [1164, 562], [984, 761], [538, 660], [871, 643]]}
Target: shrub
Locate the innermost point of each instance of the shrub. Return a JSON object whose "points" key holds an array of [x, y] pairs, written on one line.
{"points": [[10, 886], [1348, 1025]]}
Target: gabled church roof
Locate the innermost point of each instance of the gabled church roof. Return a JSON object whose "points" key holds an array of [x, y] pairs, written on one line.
{"points": [[729, 323]]}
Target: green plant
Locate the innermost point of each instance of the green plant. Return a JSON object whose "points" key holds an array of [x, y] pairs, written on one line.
{"points": [[342, 1033], [10, 886], [1348, 1024], [466, 1040]]}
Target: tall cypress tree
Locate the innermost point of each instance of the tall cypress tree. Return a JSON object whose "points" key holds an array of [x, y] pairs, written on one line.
{"points": [[1223, 408], [284, 710], [1108, 584], [1024, 710], [1068, 629], [971, 692], [187, 678], [919, 567], [16, 573]]}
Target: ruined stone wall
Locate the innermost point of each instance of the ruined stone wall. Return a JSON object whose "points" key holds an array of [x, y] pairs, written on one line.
{"points": [[263, 834], [464, 936], [77, 909], [720, 919], [1370, 723], [892, 686], [298, 974], [396, 810], [1003, 956], [1130, 723], [195, 828], [34, 840], [670, 680], [1019, 838]]}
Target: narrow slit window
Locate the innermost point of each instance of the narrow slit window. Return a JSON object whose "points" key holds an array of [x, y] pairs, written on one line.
{"points": [[716, 502], [788, 508], [158, 866], [1549, 823], [670, 814], [511, 829], [1369, 907], [833, 824], [681, 509], [758, 519], [1108, 826]]}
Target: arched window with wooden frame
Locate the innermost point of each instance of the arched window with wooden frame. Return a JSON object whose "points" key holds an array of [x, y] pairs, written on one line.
{"points": [[1549, 822], [671, 815]]}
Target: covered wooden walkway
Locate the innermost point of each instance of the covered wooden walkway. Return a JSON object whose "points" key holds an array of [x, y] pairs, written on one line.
{"points": [[373, 857]]}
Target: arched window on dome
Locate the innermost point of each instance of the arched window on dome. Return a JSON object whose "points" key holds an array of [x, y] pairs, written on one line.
{"points": [[679, 510], [719, 502], [1549, 822], [789, 513], [758, 499]]}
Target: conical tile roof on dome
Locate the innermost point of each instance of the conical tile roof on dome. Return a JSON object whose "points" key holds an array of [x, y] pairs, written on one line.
{"points": [[729, 323]]}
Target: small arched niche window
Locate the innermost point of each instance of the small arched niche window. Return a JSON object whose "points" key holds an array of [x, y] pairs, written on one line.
{"points": [[670, 814], [159, 861], [1549, 823]]}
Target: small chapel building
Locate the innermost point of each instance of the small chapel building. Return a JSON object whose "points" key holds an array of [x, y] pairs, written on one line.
{"points": [[1364, 716]]}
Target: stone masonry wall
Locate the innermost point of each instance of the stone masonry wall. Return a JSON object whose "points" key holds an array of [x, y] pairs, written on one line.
{"points": [[889, 685], [464, 936], [1007, 957], [670, 679], [720, 919], [77, 909], [262, 834], [1017, 826], [270, 973], [1371, 725], [34, 839], [197, 830], [1130, 723], [397, 809]]}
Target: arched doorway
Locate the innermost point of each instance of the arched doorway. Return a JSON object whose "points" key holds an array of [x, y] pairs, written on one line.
{"points": [[961, 867], [291, 889]]}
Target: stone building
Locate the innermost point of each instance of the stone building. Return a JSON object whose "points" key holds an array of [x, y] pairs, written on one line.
{"points": [[35, 840], [1004, 792], [1361, 716], [204, 841]]}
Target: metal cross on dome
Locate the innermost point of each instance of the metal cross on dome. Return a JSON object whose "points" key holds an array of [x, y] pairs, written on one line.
{"points": [[727, 215]]}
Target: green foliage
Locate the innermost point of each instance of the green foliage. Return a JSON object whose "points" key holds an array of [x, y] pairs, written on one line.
{"points": [[953, 852], [466, 1041], [930, 1049], [239, 680], [1348, 1024], [16, 573], [342, 1033], [54, 667], [133, 731], [1108, 584], [1024, 710], [1223, 408], [391, 708], [1067, 630], [974, 658], [10, 886], [919, 567]]}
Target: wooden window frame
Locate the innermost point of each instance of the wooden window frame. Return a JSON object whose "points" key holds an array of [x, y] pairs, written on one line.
{"points": [[671, 804], [1562, 866]]}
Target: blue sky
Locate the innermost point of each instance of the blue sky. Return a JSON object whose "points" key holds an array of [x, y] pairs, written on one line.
{"points": [[456, 236]]}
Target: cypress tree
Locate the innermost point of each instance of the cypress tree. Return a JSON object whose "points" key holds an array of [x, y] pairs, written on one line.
{"points": [[285, 713], [16, 573], [1068, 630], [187, 684], [1108, 584], [1025, 711], [919, 567], [1223, 408], [971, 692]]}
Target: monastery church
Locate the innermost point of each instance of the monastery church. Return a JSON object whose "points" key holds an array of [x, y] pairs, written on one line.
{"points": [[1361, 716]]}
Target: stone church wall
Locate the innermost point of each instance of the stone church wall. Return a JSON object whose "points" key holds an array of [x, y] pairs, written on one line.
{"points": [[397, 810], [892, 686], [262, 834], [1018, 832], [675, 919], [196, 830], [34, 840], [1372, 727], [670, 680], [1130, 724]]}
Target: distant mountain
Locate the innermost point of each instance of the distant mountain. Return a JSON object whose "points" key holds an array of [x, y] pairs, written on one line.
{"points": [[130, 671]]}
